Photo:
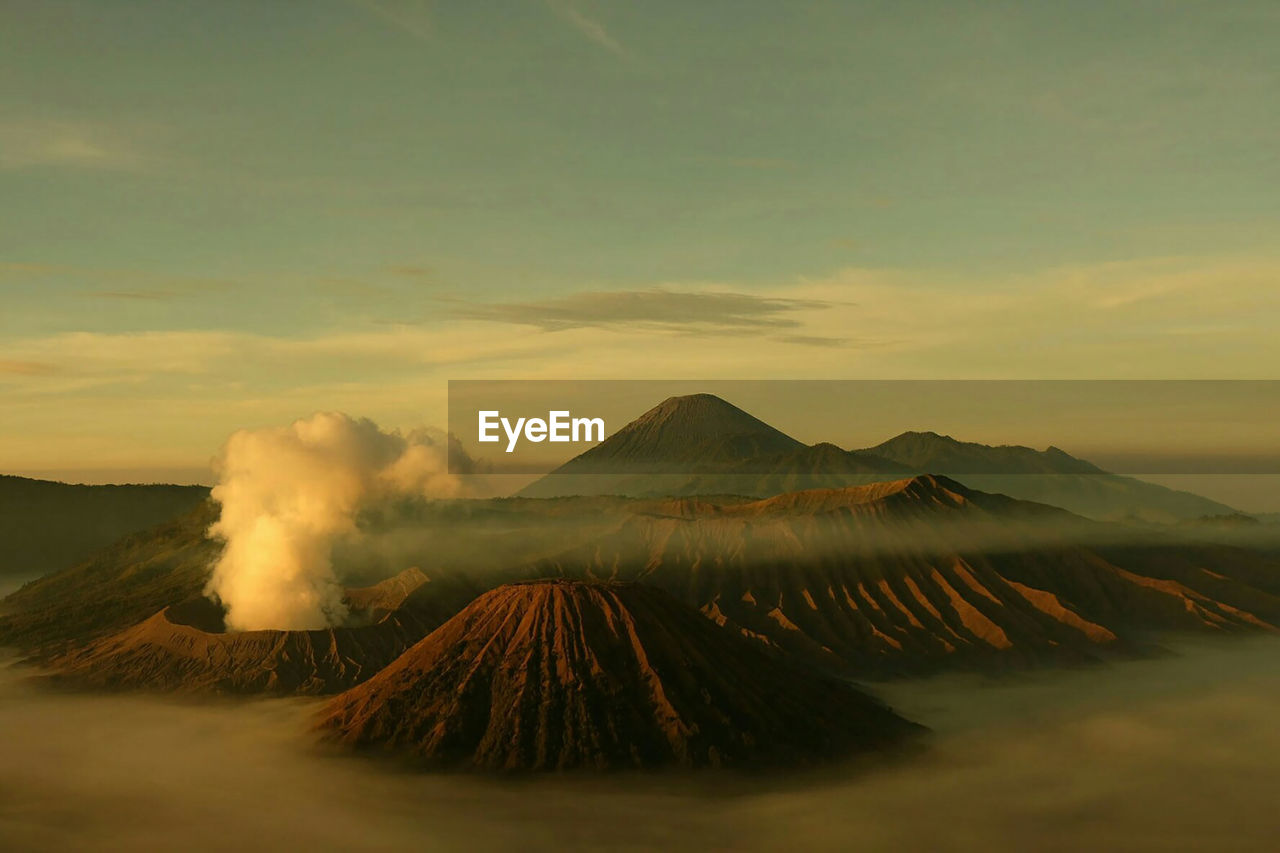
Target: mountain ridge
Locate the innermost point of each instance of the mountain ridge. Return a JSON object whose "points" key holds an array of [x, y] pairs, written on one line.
{"points": [[924, 574], [47, 525], [723, 465], [937, 452]]}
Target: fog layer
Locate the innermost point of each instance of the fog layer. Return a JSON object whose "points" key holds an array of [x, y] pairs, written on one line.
{"points": [[1177, 753]]}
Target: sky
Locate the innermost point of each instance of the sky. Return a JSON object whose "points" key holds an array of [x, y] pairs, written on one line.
{"points": [[234, 214]]}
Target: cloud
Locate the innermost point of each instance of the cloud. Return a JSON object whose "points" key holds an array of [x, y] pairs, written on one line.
{"points": [[76, 144], [136, 295], [186, 352], [762, 163], [1161, 318], [412, 17], [28, 368], [412, 271], [814, 340], [1169, 282], [31, 268], [592, 29], [120, 283], [1155, 318], [653, 308]]}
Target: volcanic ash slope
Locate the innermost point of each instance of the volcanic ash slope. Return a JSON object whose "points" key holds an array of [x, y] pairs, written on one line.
{"points": [[558, 675], [185, 647]]}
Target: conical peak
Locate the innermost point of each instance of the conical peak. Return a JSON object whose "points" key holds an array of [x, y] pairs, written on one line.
{"points": [[698, 429], [636, 678], [707, 409]]}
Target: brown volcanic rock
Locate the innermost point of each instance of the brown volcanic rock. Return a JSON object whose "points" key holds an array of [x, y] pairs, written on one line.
{"points": [[165, 653], [385, 597], [552, 675], [186, 648], [923, 573]]}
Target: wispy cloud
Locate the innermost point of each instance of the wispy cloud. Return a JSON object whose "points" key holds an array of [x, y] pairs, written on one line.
{"points": [[138, 295], [412, 17], [119, 284], [28, 368], [412, 271], [705, 311], [1154, 318], [815, 340], [32, 268], [592, 29], [762, 163], [86, 145]]}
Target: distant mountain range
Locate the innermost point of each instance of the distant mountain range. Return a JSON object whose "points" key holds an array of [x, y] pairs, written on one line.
{"points": [[46, 526], [701, 445], [687, 434]]}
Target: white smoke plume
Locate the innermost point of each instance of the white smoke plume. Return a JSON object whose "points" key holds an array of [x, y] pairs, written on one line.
{"points": [[288, 493]]}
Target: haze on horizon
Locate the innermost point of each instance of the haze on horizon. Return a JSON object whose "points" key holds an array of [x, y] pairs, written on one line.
{"points": [[225, 216]]}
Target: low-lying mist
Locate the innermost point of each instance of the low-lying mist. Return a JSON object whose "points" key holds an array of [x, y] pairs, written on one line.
{"points": [[1176, 753], [496, 539]]}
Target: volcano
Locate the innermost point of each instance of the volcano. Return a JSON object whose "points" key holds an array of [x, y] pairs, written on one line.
{"points": [[924, 573], [698, 433], [559, 675], [695, 430], [186, 648], [703, 445]]}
